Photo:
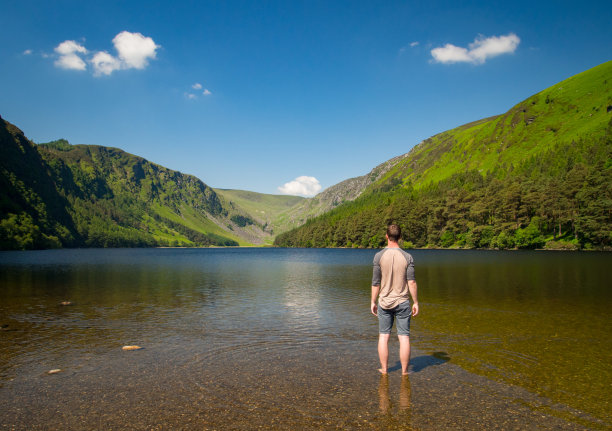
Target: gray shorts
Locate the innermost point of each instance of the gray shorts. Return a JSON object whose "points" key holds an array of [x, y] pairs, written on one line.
{"points": [[402, 313]]}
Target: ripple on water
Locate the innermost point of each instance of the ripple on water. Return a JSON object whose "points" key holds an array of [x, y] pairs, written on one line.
{"points": [[286, 341]]}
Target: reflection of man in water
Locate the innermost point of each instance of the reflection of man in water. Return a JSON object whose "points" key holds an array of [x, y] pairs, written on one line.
{"points": [[393, 284], [385, 399]]}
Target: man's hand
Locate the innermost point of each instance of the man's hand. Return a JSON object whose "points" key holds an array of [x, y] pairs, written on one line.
{"points": [[373, 306], [415, 309]]}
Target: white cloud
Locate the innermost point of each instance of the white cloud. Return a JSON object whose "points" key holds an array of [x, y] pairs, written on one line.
{"points": [[27, 52], [206, 92], [197, 86], [450, 54], [135, 50], [478, 51], [484, 48], [413, 44], [69, 57], [190, 96], [68, 47], [104, 63], [303, 186], [70, 61]]}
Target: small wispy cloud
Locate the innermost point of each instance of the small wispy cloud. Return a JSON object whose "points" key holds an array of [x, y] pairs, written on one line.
{"points": [[197, 86], [478, 51], [27, 52], [403, 49], [134, 51], [301, 186]]}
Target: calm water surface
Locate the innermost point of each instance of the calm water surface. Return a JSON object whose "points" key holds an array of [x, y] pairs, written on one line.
{"points": [[283, 338]]}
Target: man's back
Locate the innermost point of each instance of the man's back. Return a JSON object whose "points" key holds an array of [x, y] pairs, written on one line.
{"points": [[393, 267]]}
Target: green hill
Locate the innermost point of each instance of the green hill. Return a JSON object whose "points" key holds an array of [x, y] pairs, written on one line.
{"points": [[271, 212], [538, 175], [572, 110], [33, 214], [57, 194]]}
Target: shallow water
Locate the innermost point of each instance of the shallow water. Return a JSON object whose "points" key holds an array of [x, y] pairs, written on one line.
{"points": [[283, 338]]}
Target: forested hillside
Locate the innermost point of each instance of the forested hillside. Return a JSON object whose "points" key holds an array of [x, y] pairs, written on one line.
{"points": [[57, 194], [33, 214], [538, 176]]}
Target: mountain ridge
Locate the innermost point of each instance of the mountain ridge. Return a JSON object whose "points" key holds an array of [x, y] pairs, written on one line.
{"points": [[106, 197], [562, 133], [57, 194]]}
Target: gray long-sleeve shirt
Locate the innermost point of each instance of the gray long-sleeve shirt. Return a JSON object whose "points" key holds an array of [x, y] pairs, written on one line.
{"points": [[392, 268]]}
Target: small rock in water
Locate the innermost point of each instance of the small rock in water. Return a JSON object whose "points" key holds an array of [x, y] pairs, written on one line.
{"points": [[65, 303], [131, 348], [54, 371]]}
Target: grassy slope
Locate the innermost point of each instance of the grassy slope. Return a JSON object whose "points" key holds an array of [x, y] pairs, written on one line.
{"points": [[266, 209], [193, 220], [180, 198], [571, 114], [569, 110], [575, 108]]}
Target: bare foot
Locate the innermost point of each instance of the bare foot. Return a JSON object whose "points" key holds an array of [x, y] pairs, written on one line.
{"points": [[381, 371]]}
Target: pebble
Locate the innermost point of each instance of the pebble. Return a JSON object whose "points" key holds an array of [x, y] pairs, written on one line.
{"points": [[65, 303], [131, 348], [54, 371]]}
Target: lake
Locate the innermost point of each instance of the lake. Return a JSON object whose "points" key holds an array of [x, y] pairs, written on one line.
{"points": [[247, 338]]}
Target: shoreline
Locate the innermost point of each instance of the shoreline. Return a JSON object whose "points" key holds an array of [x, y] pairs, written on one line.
{"points": [[604, 250]]}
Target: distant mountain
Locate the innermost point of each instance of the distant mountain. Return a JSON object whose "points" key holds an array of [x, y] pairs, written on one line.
{"points": [[57, 194], [335, 195], [538, 175], [269, 212]]}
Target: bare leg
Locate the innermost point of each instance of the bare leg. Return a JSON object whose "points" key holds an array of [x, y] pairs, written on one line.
{"points": [[404, 341], [383, 352]]}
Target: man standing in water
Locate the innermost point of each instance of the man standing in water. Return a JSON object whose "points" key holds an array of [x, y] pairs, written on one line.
{"points": [[393, 284]]}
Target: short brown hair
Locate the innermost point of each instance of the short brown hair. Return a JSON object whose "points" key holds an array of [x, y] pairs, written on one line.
{"points": [[394, 232]]}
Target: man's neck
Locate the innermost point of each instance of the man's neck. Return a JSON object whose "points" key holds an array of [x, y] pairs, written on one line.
{"points": [[391, 244]]}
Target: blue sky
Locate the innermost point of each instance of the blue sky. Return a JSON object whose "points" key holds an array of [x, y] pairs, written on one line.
{"points": [[254, 95]]}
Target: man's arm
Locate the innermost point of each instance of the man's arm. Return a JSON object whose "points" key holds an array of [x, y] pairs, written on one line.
{"points": [[373, 306], [412, 286], [376, 279]]}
